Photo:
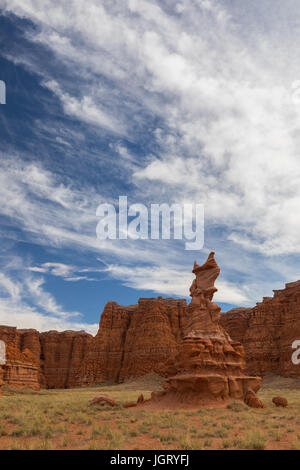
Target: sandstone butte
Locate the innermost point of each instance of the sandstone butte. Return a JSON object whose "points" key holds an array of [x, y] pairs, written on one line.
{"points": [[131, 341], [139, 339]]}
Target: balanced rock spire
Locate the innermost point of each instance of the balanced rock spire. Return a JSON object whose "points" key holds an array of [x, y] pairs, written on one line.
{"points": [[209, 365]]}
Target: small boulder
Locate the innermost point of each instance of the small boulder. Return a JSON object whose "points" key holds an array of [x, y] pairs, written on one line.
{"points": [[103, 400], [129, 404], [252, 400], [280, 401]]}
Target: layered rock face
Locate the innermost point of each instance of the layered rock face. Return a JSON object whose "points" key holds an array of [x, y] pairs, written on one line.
{"points": [[209, 365], [268, 331], [50, 359], [135, 340], [132, 341], [235, 321], [61, 357], [21, 366], [144, 338]]}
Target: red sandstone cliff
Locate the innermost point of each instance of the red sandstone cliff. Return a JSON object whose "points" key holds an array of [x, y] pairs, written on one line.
{"points": [[61, 357], [21, 368], [139, 339], [131, 341], [267, 331], [134, 340], [48, 359]]}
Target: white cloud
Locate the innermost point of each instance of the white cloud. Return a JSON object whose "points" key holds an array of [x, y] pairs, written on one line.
{"points": [[22, 316], [43, 299], [25, 303], [8, 287], [172, 281], [67, 272], [57, 269], [232, 117], [53, 213], [86, 109], [228, 136]]}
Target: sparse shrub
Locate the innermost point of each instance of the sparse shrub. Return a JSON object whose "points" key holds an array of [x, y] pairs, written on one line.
{"points": [[93, 446], [186, 444], [44, 445], [17, 432], [3, 432], [277, 435], [226, 425], [15, 446], [236, 406], [143, 429], [221, 433], [115, 443], [207, 442], [254, 440], [65, 442], [168, 438], [47, 433], [226, 444], [96, 431], [296, 445]]}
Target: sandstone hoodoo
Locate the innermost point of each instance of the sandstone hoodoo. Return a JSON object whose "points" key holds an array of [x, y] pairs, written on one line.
{"points": [[209, 366]]}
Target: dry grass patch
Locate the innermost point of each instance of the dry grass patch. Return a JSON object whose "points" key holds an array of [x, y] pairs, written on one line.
{"points": [[63, 419]]}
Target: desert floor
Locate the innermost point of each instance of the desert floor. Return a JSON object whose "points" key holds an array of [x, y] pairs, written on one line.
{"points": [[63, 419]]}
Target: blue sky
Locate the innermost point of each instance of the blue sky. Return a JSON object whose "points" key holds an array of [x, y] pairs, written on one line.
{"points": [[165, 102]]}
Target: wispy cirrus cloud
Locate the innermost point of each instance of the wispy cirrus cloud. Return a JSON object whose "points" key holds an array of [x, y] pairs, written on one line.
{"points": [[192, 109], [228, 119], [172, 281], [25, 302], [22, 315], [85, 109], [67, 272]]}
